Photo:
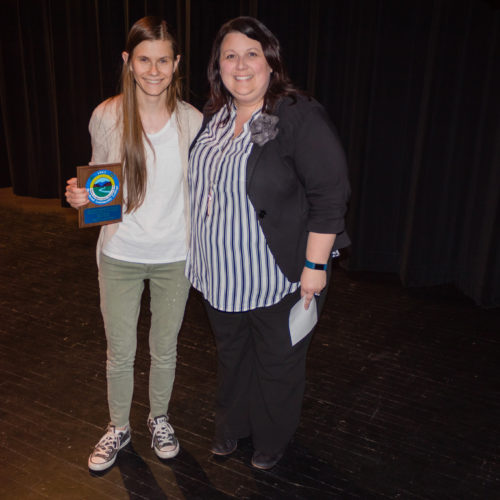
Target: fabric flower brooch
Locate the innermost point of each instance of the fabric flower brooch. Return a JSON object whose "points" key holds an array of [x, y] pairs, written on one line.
{"points": [[263, 129]]}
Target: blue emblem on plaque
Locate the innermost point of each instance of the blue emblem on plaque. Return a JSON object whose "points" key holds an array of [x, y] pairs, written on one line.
{"points": [[102, 187]]}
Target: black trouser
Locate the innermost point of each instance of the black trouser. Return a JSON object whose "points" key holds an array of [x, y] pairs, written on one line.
{"points": [[261, 376]]}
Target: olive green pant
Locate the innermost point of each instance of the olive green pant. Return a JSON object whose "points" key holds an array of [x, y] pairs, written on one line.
{"points": [[121, 285]]}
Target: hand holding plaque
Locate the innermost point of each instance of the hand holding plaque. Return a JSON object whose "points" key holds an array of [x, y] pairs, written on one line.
{"points": [[104, 187]]}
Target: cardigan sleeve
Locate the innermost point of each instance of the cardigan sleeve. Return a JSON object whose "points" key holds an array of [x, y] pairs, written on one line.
{"points": [[98, 137], [321, 167], [105, 133]]}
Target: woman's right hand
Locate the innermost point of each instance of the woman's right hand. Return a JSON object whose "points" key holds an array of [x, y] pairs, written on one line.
{"points": [[75, 196]]}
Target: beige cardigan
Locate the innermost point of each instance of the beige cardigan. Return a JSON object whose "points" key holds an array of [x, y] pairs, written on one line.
{"points": [[105, 132]]}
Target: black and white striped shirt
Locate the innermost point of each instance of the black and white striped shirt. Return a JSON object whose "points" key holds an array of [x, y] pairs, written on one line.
{"points": [[228, 261]]}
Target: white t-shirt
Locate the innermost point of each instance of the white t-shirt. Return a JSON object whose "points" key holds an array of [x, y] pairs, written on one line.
{"points": [[155, 232]]}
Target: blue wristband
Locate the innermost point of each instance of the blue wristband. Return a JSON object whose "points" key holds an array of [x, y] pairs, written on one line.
{"points": [[317, 267]]}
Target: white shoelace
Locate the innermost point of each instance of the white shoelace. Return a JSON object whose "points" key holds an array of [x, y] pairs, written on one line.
{"points": [[164, 433], [109, 442]]}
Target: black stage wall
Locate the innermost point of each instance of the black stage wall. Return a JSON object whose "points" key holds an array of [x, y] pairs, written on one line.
{"points": [[412, 85]]}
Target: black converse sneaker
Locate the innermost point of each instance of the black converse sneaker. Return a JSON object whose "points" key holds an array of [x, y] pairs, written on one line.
{"points": [[105, 451], [163, 439]]}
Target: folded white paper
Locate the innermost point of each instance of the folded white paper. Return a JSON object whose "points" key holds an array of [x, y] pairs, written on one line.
{"points": [[301, 322]]}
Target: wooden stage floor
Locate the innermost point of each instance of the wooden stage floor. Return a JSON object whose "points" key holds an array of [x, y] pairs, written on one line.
{"points": [[402, 399]]}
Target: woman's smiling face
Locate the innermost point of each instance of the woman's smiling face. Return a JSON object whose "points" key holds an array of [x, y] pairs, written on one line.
{"points": [[244, 69], [153, 65]]}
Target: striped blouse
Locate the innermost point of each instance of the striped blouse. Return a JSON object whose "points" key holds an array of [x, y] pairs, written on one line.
{"points": [[228, 261]]}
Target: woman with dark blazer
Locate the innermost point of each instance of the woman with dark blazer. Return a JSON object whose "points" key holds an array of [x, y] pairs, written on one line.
{"points": [[268, 194]]}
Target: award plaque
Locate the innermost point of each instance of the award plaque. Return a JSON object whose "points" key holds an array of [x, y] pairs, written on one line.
{"points": [[104, 187]]}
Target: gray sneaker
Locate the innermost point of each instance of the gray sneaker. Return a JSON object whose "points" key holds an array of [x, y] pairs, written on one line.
{"points": [[163, 439], [105, 451]]}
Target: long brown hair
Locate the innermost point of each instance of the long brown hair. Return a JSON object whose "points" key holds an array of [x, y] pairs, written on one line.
{"points": [[280, 84], [148, 28]]}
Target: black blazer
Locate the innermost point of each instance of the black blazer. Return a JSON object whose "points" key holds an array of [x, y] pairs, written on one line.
{"points": [[298, 183]]}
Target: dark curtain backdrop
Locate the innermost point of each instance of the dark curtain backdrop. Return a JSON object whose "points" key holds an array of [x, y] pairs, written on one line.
{"points": [[413, 87]]}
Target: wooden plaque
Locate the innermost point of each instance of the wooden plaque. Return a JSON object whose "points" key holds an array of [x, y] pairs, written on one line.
{"points": [[105, 189]]}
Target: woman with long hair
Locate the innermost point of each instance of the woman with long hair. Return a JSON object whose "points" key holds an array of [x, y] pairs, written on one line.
{"points": [[147, 128], [268, 194]]}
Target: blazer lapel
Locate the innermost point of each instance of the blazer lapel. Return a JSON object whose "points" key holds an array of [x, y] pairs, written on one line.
{"points": [[252, 163]]}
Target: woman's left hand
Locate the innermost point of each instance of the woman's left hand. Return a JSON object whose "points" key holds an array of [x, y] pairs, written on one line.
{"points": [[312, 282]]}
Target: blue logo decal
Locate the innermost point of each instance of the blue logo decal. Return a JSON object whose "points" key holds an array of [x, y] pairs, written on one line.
{"points": [[102, 187]]}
